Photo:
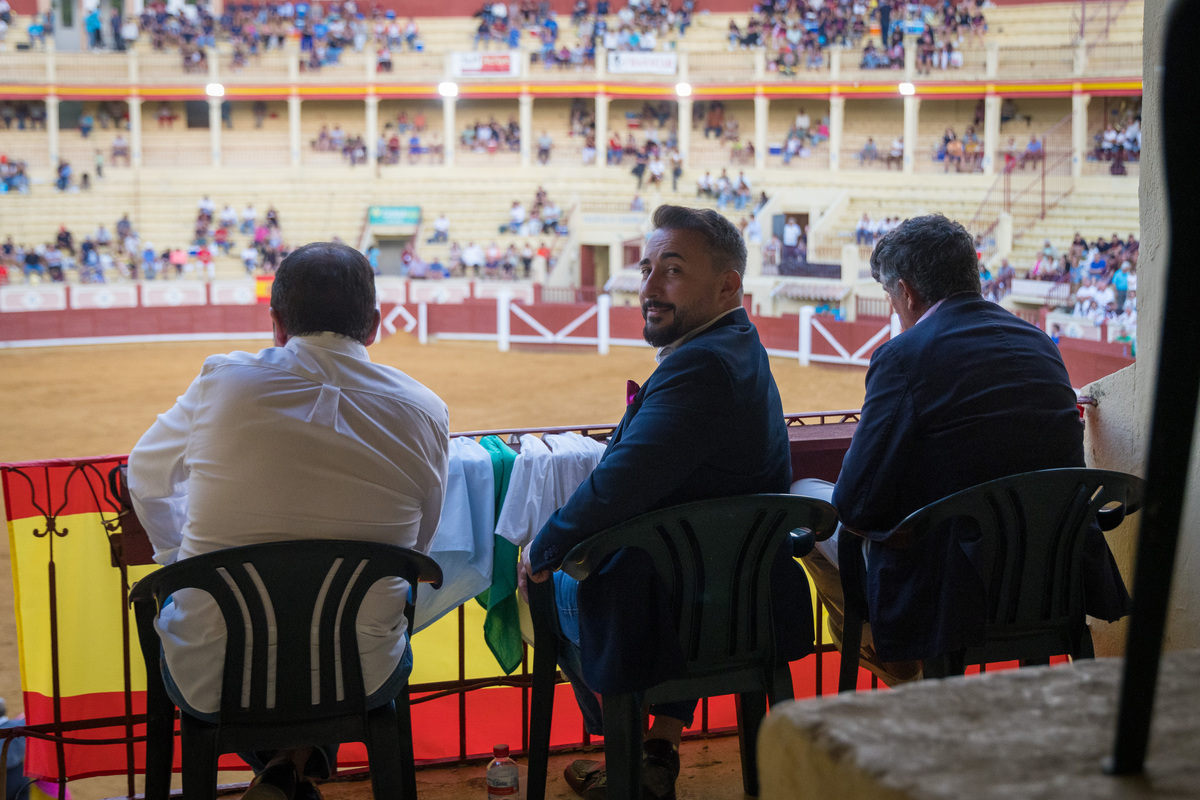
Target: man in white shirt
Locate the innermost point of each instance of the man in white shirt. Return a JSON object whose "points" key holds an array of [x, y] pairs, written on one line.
{"points": [[304, 440]]}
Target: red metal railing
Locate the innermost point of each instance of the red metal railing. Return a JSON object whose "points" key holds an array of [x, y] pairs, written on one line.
{"points": [[63, 732]]}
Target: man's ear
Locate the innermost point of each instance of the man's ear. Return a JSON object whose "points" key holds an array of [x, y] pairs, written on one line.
{"points": [[281, 336], [374, 329], [731, 283], [907, 296]]}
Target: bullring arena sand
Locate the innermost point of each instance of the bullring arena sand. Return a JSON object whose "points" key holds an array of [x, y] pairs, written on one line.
{"points": [[97, 400]]}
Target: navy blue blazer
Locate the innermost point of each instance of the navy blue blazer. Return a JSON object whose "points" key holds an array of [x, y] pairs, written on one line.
{"points": [[971, 394], [707, 423]]}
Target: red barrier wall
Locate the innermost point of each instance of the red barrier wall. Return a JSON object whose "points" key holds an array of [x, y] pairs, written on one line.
{"points": [[1090, 361], [89, 323]]}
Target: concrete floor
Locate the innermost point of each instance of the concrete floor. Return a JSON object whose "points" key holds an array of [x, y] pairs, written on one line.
{"points": [[711, 770]]}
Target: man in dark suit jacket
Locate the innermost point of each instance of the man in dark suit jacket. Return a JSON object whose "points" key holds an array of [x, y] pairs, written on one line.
{"points": [[707, 423], [967, 394]]}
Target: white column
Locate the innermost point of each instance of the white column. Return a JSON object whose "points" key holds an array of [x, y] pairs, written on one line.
{"points": [[135, 130], [52, 130], [684, 68], [912, 112], [372, 104], [132, 65], [910, 56], [896, 330], [1079, 132], [684, 112], [602, 127], [51, 64], [992, 62], [760, 65], [214, 129], [837, 124], [448, 131], [762, 108], [835, 63], [503, 320], [805, 348], [601, 63], [422, 322], [214, 64], [525, 118], [991, 132], [1080, 58], [294, 141], [603, 303]]}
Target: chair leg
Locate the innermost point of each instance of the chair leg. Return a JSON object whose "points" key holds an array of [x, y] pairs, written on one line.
{"points": [[160, 739], [408, 761], [385, 753], [623, 746], [851, 643], [541, 705], [751, 708], [198, 743]]}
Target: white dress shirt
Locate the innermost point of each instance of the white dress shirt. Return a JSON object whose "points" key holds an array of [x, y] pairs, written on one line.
{"points": [[306, 441]]}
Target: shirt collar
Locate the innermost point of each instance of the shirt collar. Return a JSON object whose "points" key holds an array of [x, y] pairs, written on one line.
{"points": [[327, 340], [929, 311], [666, 350]]}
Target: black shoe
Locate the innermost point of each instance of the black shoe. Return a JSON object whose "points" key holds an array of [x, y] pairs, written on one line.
{"points": [[307, 789], [660, 768], [276, 782], [587, 779]]}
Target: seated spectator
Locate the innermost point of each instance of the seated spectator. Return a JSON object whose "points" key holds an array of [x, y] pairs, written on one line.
{"points": [[704, 185], [1033, 152], [869, 153], [637, 204], [896, 153], [441, 229], [544, 145], [862, 231], [516, 217]]}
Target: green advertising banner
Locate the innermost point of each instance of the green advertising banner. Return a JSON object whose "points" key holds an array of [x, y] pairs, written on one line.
{"points": [[394, 215]]}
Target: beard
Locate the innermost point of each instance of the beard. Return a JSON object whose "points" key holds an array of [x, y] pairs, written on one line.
{"points": [[661, 334]]}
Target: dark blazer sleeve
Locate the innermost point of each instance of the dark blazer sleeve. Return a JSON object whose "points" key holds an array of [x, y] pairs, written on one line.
{"points": [[666, 434], [869, 491]]}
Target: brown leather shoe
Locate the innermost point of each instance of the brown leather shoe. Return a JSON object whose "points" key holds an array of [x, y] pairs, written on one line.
{"points": [[587, 779]]}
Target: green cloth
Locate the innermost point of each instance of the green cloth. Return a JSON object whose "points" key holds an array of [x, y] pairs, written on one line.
{"points": [[502, 625]]}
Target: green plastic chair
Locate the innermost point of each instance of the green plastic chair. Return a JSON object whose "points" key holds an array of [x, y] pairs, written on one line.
{"points": [[302, 583], [1031, 530], [713, 558]]}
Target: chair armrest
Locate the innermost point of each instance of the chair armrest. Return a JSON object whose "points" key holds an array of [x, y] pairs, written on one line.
{"points": [[803, 541]]}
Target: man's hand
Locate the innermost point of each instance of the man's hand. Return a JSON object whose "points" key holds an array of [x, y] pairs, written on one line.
{"points": [[525, 574]]}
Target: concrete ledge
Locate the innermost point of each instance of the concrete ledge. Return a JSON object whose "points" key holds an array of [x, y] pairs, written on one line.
{"points": [[1038, 733]]}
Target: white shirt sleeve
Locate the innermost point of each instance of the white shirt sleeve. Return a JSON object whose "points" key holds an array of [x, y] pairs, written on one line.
{"points": [[158, 474]]}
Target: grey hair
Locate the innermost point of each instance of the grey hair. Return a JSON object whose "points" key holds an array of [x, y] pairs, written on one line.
{"points": [[933, 255]]}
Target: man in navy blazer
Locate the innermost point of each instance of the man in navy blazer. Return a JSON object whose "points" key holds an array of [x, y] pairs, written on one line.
{"points": [[966, 394], [707, 423]]}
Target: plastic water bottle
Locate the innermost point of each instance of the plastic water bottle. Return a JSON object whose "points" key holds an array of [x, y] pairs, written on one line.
{"points": [[502, 779]]}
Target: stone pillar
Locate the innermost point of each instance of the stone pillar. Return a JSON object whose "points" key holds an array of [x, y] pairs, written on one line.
{"points": [[132, 65], [912, 113], [760, 65], [762, 108], [214, 129], [525, 106], [51, 63], [992, 62], [684, 69], [1079, 132], [372, 104], [1080, 58], [135, 130], [602, 128], [837, 124], [52, 129], [835, 63], [449, 133], [294, 139], [601, 63], [910, 57], [684, 110], [991, 132], [214, 64]]}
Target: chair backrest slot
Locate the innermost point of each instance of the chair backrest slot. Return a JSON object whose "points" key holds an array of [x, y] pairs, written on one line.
{"points": [[271, 632], [336, 639], [314, 633], [248, 649]]}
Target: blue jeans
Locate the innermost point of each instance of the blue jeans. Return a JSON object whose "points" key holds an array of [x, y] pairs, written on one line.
{"points": [[566, 597]]}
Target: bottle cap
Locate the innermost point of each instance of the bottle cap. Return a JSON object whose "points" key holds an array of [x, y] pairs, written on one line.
{"points": [[500, 751]]}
